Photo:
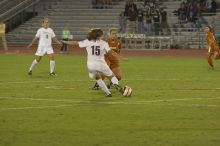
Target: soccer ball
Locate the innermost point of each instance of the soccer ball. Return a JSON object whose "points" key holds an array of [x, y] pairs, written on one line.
{"points": [[127, 91]]}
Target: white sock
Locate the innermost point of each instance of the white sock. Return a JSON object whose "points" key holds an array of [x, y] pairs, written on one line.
{"points": [[114, 80], [52, 65], [103, 86], [33, 64]]}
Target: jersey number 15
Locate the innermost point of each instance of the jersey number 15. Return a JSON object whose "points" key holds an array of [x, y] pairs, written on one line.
{"points": [[96, 50]]}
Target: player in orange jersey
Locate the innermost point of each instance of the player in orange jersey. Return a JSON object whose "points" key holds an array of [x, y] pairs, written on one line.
{"points": [[212, 45], [113, 61]]}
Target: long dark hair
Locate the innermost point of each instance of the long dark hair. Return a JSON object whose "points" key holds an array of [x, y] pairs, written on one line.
{"points": [[94, 34], [210, 28]]}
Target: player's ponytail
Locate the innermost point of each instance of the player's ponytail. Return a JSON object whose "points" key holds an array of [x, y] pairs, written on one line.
{"points": [[94, 34], [90, 35]]}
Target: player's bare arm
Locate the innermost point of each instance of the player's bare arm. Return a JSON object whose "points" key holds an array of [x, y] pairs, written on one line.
{"points": [[56, 40], [32, 42], [70, 42]]}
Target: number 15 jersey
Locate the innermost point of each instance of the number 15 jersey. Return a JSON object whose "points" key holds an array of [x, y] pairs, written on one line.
{"points": [[95, 49]]}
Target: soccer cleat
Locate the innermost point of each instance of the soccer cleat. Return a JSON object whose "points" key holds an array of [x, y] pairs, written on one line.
{"points": [[119, 88], [53, 74], [30, 73], [108, 95], [95, 87], [109, 85]]}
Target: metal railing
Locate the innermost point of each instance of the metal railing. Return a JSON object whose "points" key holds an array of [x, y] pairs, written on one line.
{"points": [[3, 2], [17, 9]]}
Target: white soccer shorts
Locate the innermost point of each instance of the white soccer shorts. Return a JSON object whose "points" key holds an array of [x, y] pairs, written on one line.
{"points": [[100, 67], [41, 51]]}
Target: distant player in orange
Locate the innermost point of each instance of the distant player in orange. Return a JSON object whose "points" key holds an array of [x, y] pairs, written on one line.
{"points": [[112, 60], [212, 45]]}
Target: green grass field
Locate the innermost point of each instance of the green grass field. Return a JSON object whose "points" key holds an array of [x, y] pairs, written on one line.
{"points": [[175, 102]]}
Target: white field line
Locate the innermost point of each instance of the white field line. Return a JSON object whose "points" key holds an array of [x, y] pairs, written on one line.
{"points": [[177, 89], [89, 80], [192, 105], [59, 88], [37, 107], [54, 81], [70, 88], [108, 102], [42, 99], [73, 103]]}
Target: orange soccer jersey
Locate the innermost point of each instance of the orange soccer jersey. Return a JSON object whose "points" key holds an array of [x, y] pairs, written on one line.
{"points": [[210, 38], [112, 60], [114, 44]]}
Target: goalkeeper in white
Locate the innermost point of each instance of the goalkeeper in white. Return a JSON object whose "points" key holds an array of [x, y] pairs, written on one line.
{"points": [[97, 67]]}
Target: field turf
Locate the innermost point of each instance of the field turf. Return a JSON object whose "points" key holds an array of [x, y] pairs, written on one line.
{"points": [[175, 102]]}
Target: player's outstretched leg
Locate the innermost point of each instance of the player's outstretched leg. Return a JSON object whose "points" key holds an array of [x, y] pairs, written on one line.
{"points": [[96, 86], [210, 62], [110, 82], [109, 85], [114, 81], [33, 64], [117, 72], [101, 84], [52, 64]]}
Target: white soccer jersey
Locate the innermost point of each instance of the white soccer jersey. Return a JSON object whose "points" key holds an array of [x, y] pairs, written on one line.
{"points": [[95, 49], [45, 37], [96, 62]]}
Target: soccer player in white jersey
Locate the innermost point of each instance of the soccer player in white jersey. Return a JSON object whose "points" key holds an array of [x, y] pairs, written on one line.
{"points": [[45, 36], [96, 49]]}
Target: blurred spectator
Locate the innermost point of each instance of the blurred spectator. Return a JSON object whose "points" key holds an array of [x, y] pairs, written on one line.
{"points": [[130, 4], [140, 22], [148, 24], [132, 17], [2, 35], [156, 18], [182, 13], [199, 11], [122, 22], [192, 11], [190, 22], [208, 5], [65, 37], [150, 6], [213, 6], [164, 25]]}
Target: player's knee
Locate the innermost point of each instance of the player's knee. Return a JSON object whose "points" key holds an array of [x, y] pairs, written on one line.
{"points": [[98, 76]]}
